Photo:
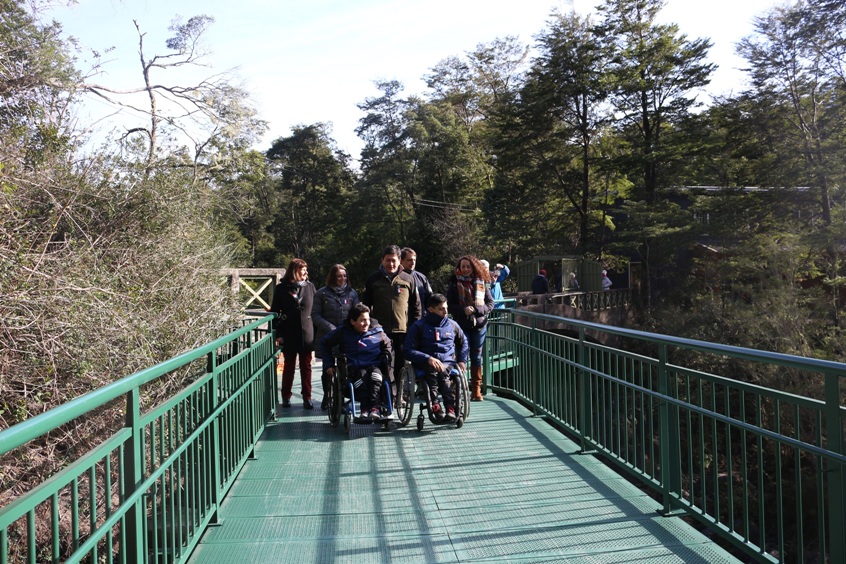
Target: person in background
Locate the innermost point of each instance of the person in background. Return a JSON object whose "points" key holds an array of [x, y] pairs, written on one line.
{"points": [[500, 273], [408, 260], [366, 348], [606, 282], [391, 294], [292, 301], [540, 284], [470, 302], [436, 346], [332, 303], [574, 283]]}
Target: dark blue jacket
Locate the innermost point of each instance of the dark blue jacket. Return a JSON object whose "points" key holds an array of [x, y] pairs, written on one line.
{"points": [[435, 336], [424, 289], [330, 309], [371, 348], [540, 284]]}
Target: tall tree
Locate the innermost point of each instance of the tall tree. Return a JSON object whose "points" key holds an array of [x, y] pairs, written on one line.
{"points": [[449, 181], [37, 79], [204, 116], [386, 167], [791, 72], [655, 69], [475, 85], [310, 179], [565, 97]]}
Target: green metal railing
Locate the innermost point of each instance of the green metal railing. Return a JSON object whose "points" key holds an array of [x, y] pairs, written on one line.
{"points": [[588, 301], [764, 466], [147, 493]]}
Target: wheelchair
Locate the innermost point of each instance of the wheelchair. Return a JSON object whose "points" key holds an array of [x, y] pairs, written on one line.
{"points": [[406, 396], [343, 405]]}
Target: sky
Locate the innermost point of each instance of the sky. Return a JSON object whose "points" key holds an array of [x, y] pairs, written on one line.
{"points": [[309, 61]]}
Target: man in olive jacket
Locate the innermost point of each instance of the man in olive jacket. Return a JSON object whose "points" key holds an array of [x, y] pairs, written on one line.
{"points": [[391, 294]]}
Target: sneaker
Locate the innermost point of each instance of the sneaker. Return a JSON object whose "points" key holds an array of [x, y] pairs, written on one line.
{"points": [[437, 411], [450, 414], [307, 404], [375, 413], [364, 415]]}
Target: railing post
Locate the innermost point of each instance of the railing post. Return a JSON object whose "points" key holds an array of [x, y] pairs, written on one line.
{"points": [[535, 371], [836, 494], [669, 456], [215, 450], [133, 476], [275, 387], [585, 412], [487, 361]]}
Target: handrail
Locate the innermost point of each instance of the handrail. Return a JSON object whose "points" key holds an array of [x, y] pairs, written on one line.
{"points": [[148, 492], [588, 301], [764, 466]]}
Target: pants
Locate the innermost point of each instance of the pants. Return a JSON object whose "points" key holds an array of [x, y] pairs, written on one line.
{"points": [[476, 341], [288, 373], [397, 343], [371, 385], [440, 382]]}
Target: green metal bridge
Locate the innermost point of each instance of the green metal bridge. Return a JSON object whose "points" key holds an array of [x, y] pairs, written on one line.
{"points": [[653, 451]]}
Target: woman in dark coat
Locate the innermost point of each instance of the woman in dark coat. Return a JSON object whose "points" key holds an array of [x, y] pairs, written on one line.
{"points": [[470, 303], [332, 303], [292, 300]]}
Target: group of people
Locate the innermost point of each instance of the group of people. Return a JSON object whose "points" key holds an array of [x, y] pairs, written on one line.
{"points": [[397, 317], [540, 283]]}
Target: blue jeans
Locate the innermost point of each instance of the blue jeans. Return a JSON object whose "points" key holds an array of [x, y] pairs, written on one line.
{"points": [[476, 341]]}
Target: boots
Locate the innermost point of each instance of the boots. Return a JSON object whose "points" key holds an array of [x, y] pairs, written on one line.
{"points": [[476, 383]]}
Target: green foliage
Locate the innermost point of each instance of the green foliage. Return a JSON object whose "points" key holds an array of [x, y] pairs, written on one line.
{"points": [[653, 70], [109, 261], [309, 184]]}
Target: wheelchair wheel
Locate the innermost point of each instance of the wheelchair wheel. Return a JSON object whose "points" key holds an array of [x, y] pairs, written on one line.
{"points": [[404, 404], [347, 423], [420, 421], [462, 395]]}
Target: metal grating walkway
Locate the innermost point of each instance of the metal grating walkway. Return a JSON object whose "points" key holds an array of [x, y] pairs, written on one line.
{"points": [[504, 488]]}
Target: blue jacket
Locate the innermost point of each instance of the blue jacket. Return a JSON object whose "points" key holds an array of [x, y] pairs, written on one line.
{"points": [[496, 289], [435, 336], [424, 289], [330, 309], [371, 348]]}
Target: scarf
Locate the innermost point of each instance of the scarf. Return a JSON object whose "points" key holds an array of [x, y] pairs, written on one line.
{"points": [[471, 291], [390, 275], [340, 290]]}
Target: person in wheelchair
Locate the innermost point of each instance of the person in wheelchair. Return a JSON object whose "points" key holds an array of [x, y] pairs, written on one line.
{"points": [[436, 347], [368, 352]]}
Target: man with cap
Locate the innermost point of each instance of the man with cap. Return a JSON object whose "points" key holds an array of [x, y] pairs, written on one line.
{"points": [[540, 284]]}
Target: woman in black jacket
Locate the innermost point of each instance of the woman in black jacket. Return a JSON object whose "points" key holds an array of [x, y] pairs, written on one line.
{"points": [[332, 303], [470, 302], [292, 301]]}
